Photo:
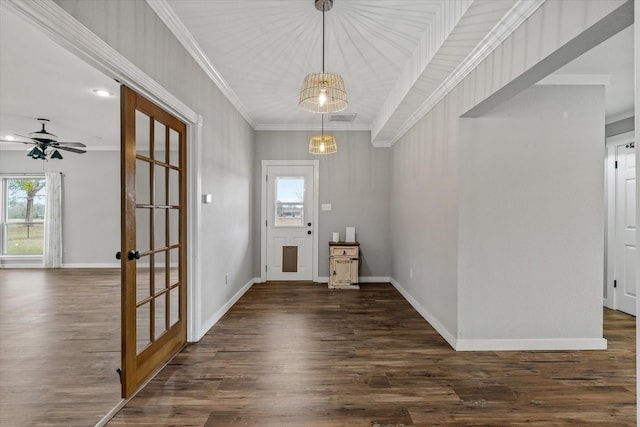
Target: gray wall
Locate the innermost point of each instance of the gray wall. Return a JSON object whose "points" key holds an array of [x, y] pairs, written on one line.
{"points": [[425, 163], [355, 180], [90, 202], [132, 28], [532, 217]]}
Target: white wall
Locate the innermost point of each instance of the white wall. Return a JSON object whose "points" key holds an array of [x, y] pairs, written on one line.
{"points": [[355, 181], [425, 187], [90, 202], [132, 28], [531, 217]]}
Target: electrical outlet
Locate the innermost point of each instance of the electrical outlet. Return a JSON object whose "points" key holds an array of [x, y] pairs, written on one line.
{"points": [[226, 278]]}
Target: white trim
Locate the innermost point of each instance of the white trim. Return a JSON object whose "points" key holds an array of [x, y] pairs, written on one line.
{"points": [[547, 344], [435, 323], [91, 265], [519, 13], [215, 317], [112, 413], [331, 126], [194, 224], [71, 34], [26, 264], [186, 39], [610, 204], [263, 211], [361, 279]]}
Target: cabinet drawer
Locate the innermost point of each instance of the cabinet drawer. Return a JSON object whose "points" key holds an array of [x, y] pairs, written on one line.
{"points": [[350, 251]]}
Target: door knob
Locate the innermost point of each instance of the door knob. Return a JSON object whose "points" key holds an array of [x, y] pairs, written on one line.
{"points": [[309, 232], [118, 255], [133, 255], [309, 224]]}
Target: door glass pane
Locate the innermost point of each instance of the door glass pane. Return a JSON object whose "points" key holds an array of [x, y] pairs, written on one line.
{"points": [[160, 316], [289, 202], [142, 133], [174, 187], [143, 224], [143, 279], [160, 142], [160, 274], [174, 148], [174, 306], [174, 226], [174, 271], [143, 192], [160, 228], [143, 322], [160, 177]]}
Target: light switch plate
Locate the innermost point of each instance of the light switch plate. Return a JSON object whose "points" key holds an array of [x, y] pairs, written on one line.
{"points": [[207, 198], [326, 206]]}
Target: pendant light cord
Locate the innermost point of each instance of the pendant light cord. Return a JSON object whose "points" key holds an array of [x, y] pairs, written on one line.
{"points": [[324, 5]]}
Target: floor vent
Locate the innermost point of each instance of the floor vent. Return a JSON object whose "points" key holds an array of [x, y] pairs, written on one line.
{"points": [[347, 117]]}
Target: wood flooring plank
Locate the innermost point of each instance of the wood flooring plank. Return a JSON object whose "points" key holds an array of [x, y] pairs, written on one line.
{"points": [[59, 346], [298, 354]]}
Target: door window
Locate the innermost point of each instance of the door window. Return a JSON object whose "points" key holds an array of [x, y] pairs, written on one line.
{"points": [[289, 202]]}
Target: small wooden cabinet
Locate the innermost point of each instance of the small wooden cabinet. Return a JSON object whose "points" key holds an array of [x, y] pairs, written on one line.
{"points": [[343, 265]]}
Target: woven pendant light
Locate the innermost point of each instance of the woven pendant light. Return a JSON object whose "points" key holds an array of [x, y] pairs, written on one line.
{"points": [[322, 144]]}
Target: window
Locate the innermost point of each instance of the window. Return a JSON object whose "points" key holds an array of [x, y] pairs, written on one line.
{"points": [[23, 203], [289, 202]]}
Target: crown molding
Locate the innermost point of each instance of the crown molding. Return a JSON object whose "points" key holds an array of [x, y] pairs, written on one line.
{"points": [[184, 36], [430, 43], [312, 127], [519, 13], [70, 33]]}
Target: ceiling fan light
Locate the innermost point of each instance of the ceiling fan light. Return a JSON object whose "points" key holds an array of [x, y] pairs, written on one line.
{"points": [[36, 153], [322, 144], [56, 155]]}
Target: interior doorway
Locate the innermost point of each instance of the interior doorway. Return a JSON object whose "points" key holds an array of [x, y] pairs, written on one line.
{"points": [[620, 282]]}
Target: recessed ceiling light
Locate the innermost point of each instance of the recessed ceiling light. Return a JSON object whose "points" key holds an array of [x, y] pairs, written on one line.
{"points": [[102, 92]]}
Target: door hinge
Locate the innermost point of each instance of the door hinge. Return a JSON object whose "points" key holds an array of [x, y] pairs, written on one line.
{"points": [[265, 268], [266, 177], [616, 164], [266, 222], [615, 283]]}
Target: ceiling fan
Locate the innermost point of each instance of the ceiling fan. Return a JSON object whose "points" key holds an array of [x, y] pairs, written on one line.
{"points": [[46, 144]]}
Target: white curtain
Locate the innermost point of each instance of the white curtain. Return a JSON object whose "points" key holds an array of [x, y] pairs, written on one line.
{"points": [[53, 221]]}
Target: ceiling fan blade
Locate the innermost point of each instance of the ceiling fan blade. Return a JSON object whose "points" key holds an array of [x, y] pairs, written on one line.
{"points": [[19, 142], [67, 144], [73, 150], [26, 137]]}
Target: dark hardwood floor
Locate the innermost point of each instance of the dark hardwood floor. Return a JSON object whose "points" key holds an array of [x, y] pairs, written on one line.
{"points": [[290, 354], [59, 346]]}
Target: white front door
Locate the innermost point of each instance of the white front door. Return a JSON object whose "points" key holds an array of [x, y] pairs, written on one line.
{"points": [[625, 239], [290, 222]]}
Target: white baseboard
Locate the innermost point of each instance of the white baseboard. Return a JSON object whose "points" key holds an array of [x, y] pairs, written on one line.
{"points": [[38, 264], [361, 279], [91, 265], [549, 344], [439, 327], [208, 324]]}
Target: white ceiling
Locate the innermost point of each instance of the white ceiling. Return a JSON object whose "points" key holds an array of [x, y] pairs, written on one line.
{"points": [[388, 52]]}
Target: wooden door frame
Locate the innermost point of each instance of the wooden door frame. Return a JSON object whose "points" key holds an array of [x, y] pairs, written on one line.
{"points": [[61, 27], [263, 211], [612, 143]]}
